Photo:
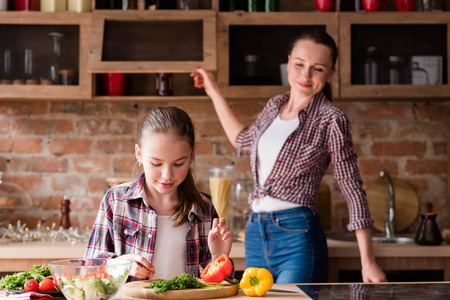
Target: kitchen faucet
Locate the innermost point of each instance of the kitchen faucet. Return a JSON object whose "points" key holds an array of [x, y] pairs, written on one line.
{"points": [[389, 222]]}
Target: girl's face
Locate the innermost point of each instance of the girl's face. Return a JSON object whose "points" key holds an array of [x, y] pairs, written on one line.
{"points": [[309, 68], [165, 159]]}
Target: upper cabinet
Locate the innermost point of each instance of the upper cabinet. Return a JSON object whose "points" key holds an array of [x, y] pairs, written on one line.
{"points": [[145, 41], [44, 56], [253, 49], [394, 55]]}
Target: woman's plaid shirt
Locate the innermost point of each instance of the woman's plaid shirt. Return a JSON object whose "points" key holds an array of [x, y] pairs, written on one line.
{"points": [[323, 136], [125, 224]]}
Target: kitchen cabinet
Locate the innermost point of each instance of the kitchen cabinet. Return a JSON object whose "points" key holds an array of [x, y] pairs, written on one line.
{"points": [[251, 47], [164, 41], [403, 34], [30, 30]]}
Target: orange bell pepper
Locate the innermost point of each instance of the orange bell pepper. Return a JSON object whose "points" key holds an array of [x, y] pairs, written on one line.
{"points": [[217, 270]]}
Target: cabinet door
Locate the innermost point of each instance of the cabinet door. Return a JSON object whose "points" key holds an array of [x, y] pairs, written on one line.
{"points": [[170, 41], [22, 31], [251, 47], [402, 35]]}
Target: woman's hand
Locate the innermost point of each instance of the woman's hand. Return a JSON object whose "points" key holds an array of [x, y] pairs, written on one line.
{"points": [[220, 238], [141, 268], [373, 273], [205, 79]]}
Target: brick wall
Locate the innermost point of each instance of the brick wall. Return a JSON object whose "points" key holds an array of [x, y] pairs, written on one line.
{"points": [[56, 148]]}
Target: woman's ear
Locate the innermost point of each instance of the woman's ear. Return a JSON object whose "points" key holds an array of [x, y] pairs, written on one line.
{"points": [[330, 77]]}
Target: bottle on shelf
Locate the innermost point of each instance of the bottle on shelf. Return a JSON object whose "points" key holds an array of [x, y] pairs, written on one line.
{"points": [[396, 71], [79, 5], [6, 75], [372, 67], [56, 57], [164, 84], [129, 4], [53, 5]]}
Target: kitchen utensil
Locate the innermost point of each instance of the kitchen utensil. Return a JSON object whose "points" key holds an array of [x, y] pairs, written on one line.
{"points": [[406, 203], [428, 233], [136, 289], [405, 5], [374, 5], [324, 5], [88, 277]]}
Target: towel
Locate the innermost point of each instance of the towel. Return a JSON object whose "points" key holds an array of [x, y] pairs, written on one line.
{"points": [[4, 294]]}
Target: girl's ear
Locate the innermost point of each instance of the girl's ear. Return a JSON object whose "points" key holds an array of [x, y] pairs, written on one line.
{"points": [[331, 75], [137, 153]]}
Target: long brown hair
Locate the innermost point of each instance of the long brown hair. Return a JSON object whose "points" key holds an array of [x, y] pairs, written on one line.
{"points": [[173, 120], [321, 37]]}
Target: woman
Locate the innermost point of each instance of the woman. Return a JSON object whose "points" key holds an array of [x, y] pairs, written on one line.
{"points": [[161, 221], [291, 144]]}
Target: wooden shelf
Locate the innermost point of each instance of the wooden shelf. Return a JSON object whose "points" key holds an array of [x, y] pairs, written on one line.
{"points": [[54, 20], [150, 98], [396, 40], [170, 33], [283, 28]]}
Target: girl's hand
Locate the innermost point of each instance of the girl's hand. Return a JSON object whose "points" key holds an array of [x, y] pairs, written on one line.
{"points": [[220, 238], [141, 268], [205, 79]]}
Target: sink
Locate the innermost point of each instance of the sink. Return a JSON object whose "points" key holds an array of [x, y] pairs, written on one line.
{"points": [[350, 237], [393, 240]]}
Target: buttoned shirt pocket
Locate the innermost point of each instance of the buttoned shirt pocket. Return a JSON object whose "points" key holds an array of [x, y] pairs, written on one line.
{"points": [[307, 159], [126, 235]]}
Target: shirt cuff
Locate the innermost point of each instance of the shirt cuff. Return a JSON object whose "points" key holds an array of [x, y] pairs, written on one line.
{"points": [[360, 224]]}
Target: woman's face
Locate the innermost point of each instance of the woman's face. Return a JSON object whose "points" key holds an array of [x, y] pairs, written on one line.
{"points": [[309, 68], [165, 159]]}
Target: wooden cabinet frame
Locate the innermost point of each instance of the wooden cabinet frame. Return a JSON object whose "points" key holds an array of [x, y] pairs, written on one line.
{"points": [[350, 91], [96, 65], [52, 92], [225, 19]]}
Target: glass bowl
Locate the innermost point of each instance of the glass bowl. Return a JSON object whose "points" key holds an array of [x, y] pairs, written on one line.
{"points": [[90, 279]]}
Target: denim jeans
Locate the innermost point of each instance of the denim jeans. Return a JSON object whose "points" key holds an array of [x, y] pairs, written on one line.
{"points": [[290, 243]]}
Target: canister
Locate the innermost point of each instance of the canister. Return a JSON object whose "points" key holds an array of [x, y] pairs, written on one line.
{"points": [[53, 5], [27, 5], [79, 5]]}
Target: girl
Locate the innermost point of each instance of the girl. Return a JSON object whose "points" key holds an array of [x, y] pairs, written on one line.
{"points": [[161, 221]]}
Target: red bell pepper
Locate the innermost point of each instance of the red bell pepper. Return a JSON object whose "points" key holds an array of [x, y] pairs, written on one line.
{"points": [[217, 270]]}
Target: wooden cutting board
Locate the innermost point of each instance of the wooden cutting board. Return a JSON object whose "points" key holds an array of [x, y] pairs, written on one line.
{"points": [[136, 289], [406, 203]]}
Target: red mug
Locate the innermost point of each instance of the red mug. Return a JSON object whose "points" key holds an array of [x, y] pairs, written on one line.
{"points": [[374, 5], [405, 5], [113, 84], [325, 5]]}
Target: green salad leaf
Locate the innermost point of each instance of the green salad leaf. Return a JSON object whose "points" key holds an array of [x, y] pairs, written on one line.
{"points": [[182, 282], [15, 281]]}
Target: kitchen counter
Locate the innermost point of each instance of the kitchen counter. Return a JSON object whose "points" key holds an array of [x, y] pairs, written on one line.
{"points": [[343, 256], [350, 291]]}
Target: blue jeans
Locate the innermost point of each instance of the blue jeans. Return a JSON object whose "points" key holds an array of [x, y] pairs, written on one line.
{"points": [[290, 243]]}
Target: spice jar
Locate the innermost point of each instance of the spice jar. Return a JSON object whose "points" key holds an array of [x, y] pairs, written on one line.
{"points": [[53, 5], [79, 5], [68, 77], [164, 84]]}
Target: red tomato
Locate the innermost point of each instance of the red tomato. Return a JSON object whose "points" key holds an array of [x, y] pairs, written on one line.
{"points": [[46, 285], [30, 285]]}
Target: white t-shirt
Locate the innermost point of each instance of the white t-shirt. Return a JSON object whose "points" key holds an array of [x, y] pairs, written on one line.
{"points": [[169, 258], [269, 146]]}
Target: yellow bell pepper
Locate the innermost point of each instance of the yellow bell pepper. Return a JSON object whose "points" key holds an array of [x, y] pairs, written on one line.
{"points": [[256, 281]]}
